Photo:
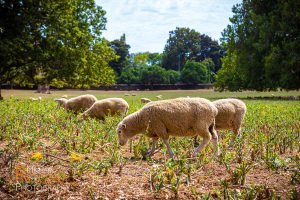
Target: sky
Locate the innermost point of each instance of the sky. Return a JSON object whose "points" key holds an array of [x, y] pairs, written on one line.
{"points": [[147, 23]]}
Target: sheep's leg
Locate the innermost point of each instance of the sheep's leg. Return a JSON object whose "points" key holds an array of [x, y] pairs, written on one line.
{"points": [[151, 150], [205, 141], [215, 141], [166, 141], [196, 143]]}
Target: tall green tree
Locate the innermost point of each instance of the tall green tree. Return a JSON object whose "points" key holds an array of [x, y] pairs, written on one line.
{"points": [[264, 36], [187, 44], [121, 49], [52, 42]]}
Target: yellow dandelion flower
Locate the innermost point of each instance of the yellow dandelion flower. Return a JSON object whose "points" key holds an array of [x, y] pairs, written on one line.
{"points": [[76, 157], [37, 156]]}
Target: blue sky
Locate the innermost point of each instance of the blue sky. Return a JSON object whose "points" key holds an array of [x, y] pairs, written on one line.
{"points": [[147, 23]]}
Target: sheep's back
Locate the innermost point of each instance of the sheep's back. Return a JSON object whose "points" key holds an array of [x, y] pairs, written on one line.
{"points": [[81, 102], [229, 111], [181, 117]]}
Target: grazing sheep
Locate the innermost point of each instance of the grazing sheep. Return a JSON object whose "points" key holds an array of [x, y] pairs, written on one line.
{"points": [[174, 117], [64, 96], [76, 104], [145, 100], [35, 99], [230, 116], [133, 94], [105, 107], [159, 96], [126, 94]]}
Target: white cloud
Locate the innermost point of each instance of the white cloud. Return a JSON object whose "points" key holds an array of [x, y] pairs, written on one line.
{"points": [[147, 23]]}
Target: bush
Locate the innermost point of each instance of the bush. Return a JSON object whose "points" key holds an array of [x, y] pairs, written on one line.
{"points": [[154, 75], [131, 75], [174, 76], [194, 72]]}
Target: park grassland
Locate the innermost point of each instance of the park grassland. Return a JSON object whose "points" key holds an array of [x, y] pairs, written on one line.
{"points": [[46, 152]]}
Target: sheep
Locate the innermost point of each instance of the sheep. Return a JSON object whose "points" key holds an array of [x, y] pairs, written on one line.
{"points": [[159, 96], [105, 107], [64, 96], [145, 100], [76, 104], [230, 116], [133, 94], [174, 117], [35, 99], [126, 94]]}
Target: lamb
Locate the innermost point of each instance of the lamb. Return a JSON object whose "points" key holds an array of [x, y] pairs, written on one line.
{"points": [[230, 116], [77, 104], [175, 117], [105, 107], [145, 100]]}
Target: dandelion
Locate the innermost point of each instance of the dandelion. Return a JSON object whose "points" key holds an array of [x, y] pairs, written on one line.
{"points": [[76, 157], [37, 156]]}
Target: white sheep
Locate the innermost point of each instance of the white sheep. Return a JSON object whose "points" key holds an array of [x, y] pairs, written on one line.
{"points": [[145, 100], [159, 96], [174, 117], [35, 99], [110, 106], [64, 96], [126, 94], [133, 94], [230, 116], [76, 104]]}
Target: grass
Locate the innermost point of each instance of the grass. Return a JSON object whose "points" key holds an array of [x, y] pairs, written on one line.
{"points": [[47, 152]]}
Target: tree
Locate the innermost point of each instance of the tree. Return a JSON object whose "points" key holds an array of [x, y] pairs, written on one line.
{"points": [[122, 51], [52, 42], [194, 72], [147, 58], [187, 44], [264, 36], [210, 66]]}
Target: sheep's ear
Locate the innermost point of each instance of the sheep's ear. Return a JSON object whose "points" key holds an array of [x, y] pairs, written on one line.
{"points": [[124, 126]]}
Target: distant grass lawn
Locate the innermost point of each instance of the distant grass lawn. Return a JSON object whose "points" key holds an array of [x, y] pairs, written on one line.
{"points": [[166, 94]]}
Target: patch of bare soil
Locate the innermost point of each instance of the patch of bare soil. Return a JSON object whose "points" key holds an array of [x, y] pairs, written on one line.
{"points": [[131, 182]]}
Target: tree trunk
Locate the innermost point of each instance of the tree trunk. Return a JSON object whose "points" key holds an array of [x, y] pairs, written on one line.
{"points": [[1, 98]]}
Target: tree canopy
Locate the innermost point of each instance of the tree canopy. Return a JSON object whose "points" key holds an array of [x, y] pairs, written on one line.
{"points": [[121, 49], [262, 43], [187, 44], [54, 42]]}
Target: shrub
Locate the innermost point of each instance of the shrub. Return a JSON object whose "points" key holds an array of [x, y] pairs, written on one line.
{"points": [[194, 72]]}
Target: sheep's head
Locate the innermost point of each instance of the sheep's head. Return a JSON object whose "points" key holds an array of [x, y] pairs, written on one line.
{"points": [[61, 102], [122, 134]]}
